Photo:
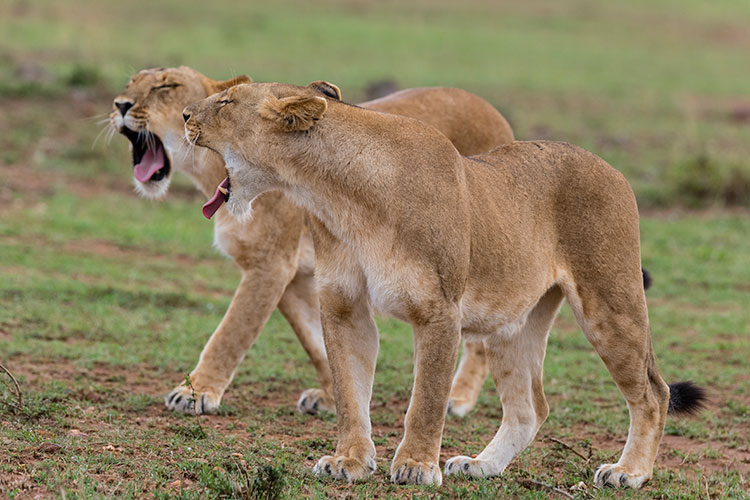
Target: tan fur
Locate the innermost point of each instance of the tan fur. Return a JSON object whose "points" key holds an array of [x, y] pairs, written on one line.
{"points": [[274, 249], [487, 246]]}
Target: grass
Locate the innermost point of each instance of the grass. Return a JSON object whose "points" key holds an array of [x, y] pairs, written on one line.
{"points": [[97, 333], [106, 300]]}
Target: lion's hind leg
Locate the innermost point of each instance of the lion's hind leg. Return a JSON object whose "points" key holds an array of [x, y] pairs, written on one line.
{"points": [[516, 363], [472, 370], [614, 319], [301, 308]]}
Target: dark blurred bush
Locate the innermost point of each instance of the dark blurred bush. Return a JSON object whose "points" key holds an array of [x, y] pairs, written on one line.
{"points": [[700, 181]]}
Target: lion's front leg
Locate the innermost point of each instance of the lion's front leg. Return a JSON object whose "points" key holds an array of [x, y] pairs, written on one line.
{"points": [[351, 339], [435, 352], [254, 301]]}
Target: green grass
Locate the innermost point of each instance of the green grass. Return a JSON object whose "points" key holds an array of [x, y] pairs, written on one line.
{"points": [[98, 322], [106, 300]]}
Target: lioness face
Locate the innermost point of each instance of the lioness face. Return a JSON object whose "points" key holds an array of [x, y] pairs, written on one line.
{"points": [[247, 124], [148, 113]]}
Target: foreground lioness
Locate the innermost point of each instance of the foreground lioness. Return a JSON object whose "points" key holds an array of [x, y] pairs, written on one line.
{"points": [[273, 249], [488, 246]]}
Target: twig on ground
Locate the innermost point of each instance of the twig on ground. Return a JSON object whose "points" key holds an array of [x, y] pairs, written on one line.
{"points": [[19, 395], [193, 397], [566, 445], [189, 384], [533, 485], [708, 495]]}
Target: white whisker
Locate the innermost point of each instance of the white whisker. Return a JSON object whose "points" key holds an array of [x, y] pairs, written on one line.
{"points": [[150, 144], [104, 114], [108, 128], [185, 147], [110, 134], [192, 148]]}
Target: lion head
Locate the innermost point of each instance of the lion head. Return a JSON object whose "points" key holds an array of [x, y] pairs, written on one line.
{"points": [[254, 114], [148, 113]]}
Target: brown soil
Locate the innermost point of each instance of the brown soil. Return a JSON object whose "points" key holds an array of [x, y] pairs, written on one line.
{"points": [[92, 432]]}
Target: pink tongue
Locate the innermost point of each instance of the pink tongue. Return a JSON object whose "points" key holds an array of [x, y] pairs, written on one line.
{"points": [[217, 200], [151, 162]]}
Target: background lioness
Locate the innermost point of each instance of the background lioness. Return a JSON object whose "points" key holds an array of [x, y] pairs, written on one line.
{"points": [[273, 249], [487, 247]]}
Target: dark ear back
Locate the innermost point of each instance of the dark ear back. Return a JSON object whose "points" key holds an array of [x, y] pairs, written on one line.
{"points": [[326, 88], [219, 86], [294, 113]]}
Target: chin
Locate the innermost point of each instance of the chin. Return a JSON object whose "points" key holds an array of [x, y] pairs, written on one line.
{"points": [[153, 190]]}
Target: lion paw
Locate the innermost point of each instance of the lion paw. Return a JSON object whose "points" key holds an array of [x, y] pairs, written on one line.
{"points": [[314, 401], [459, 407], [413, 472], [469, 467], [183, 399], [617, 476], [346, 468]]}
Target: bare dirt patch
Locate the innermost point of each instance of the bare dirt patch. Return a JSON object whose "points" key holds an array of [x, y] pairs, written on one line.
{"points": [[22, 487]]}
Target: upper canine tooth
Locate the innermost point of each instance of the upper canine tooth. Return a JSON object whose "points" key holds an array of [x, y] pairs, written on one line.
{"points": [[223, 190]]}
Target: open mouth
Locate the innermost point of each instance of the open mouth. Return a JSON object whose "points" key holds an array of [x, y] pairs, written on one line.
{"points": [[220, 197], [150, 162]]}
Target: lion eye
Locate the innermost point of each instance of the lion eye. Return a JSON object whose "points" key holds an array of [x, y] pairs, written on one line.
{"points": [[167, 86], [224, 102]]}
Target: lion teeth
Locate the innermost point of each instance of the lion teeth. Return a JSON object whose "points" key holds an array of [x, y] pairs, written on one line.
{"points": [[224, 190]]}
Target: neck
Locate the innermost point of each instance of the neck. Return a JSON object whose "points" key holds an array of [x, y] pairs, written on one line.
{"points": [[343, 179], [357, 168]]}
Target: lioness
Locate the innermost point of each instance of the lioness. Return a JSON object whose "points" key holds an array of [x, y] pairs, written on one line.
{"points": [[487, 246], [274, 249]]}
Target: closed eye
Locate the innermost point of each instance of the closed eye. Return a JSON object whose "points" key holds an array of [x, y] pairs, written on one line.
{"points": [[224, 102], [167, 86]]}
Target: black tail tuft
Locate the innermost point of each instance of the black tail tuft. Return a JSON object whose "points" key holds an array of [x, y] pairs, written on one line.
{"points": [[686, 398], [647, 280]]}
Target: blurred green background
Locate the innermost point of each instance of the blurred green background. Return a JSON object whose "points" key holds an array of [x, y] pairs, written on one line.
{"points": [[661, 89], [107, 299]]}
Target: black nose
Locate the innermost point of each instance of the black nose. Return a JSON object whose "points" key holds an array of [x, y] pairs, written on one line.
{"points": [[186, 116], [123, 106]]}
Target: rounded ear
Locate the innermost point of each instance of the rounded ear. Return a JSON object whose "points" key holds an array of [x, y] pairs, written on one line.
{"points": [[212, 86], [326, 88], [295, 113]]}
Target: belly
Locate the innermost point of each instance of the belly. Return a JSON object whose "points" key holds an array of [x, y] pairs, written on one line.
{"points": [[503, 309]]}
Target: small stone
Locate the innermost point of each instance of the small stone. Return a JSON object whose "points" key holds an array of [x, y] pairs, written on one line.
{"points": [[581, 486], [179, 484]]}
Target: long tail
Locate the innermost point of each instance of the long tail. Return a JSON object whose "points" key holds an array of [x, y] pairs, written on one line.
{"points": [[686, 398]]}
